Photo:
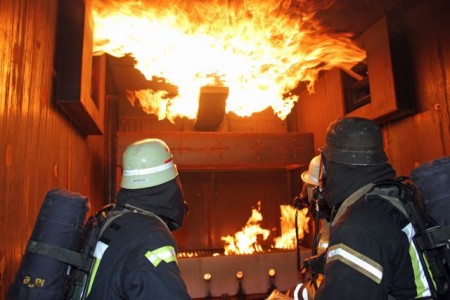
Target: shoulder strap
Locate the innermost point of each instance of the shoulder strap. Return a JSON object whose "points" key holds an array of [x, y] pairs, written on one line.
{"points": [[393, 201], [351, 200], [61, 254], [402, 195], [135, 209], [67, 256], [112, 216], [71, 257], [373, 189], [431, 241], [103, 233], [76, 259]]}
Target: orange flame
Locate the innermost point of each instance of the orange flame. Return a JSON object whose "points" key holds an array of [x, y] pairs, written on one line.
{"points": [[246, 241], [288, 240], [260, 49]]}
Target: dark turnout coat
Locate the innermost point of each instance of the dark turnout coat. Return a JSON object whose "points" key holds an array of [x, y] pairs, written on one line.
{"points": [[140, 257], [370, 254]]}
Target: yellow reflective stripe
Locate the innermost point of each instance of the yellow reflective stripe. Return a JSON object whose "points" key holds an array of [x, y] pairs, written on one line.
{"points": [[422, 286], [100, 249], [166, 254], [428, 268], [92, 275], [355, 260]]}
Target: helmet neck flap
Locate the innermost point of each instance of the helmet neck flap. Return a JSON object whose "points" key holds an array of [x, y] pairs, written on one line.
{"points": [[343, 180], [165, 200]]}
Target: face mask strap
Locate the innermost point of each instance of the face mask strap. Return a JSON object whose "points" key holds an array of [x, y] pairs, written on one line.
{"points": [[322, 172]]}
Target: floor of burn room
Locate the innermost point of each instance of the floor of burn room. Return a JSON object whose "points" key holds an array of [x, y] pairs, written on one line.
{"points": [[252, 276]]}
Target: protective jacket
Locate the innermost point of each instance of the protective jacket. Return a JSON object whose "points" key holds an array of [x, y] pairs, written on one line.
{"points": [[370, 255], [136, 256]]}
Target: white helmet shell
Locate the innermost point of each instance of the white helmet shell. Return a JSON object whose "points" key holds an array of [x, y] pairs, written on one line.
{"points": [[311, 176], [147, 163]]}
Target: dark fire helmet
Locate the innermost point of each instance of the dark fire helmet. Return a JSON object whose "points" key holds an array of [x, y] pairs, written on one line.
{"points": [[354, 141]]}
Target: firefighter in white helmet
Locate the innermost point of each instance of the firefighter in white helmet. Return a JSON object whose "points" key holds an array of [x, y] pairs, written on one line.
{"points": [[310, 178], [138, 259]]}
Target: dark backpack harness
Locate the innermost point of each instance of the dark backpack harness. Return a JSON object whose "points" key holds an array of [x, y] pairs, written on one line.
{"points": [[82, 261], [431, 240]]}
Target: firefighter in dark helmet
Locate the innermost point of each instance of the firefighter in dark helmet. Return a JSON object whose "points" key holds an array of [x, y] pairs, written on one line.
{"points": [[370, 253], [136, 258]]}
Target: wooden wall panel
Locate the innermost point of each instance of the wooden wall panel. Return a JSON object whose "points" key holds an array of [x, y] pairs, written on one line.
{"points": [[235, 194], [430, 43], [198, 190], [133, 118], [407, 151], [40, 148], [231, 150], [316, 110], [423, 135], [225, 174], [221, 203]]}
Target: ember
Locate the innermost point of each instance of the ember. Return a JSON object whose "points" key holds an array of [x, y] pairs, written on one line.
{"points": [[261, 50]]}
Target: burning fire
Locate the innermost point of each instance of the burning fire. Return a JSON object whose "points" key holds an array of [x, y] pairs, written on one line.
{"points": [[247, 240], [260, 49], [287, 239]]}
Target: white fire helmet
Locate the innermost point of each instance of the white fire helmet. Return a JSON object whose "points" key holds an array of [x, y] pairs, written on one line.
{"points": [[147, 163], [311, 176]]}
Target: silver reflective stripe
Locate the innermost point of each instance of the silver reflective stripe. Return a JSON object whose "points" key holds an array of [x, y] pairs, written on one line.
{"points": [[350, 200], [422, 286], [355, 260], [304, 292], [100, 249], [157, 169], [166, 254]]}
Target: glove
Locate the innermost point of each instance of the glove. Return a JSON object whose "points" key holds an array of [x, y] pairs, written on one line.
{"points": [[315, 264]]}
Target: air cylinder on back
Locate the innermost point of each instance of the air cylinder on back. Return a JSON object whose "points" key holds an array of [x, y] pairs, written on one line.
{"points": [[60, 223], [433, 180]]}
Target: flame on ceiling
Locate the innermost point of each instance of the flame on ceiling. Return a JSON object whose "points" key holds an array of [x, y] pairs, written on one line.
{"points": [[261, 49]]}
